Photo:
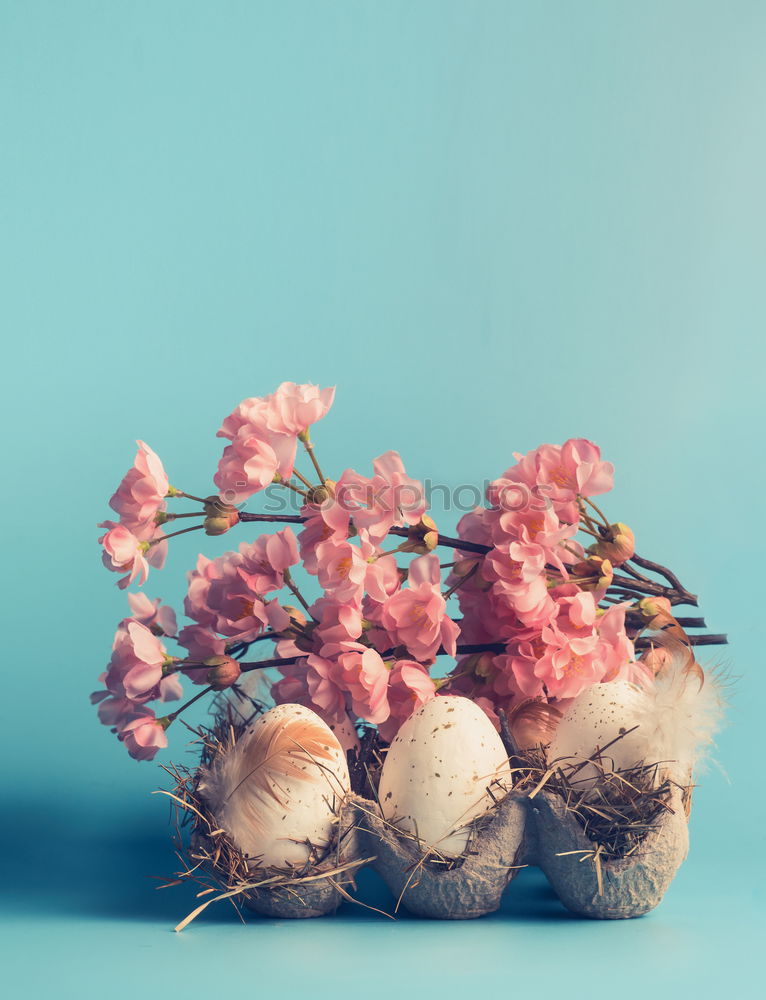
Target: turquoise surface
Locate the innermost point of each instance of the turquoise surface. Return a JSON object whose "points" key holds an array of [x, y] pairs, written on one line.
{"points": [[491, 225]]}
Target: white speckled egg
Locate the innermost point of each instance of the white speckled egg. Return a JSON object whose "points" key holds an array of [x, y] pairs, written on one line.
{"points": [[438, 770], [278, 790], [596, 717]]}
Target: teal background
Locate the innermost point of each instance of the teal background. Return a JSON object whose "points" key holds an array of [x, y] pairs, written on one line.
{"points": [[492, 225]]}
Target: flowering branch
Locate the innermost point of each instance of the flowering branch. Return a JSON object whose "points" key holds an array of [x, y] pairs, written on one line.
{"points": [[552, 594], [466, 649], [676, 592]]}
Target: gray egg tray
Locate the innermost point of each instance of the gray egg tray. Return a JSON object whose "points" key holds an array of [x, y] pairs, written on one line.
{"points": [[519, 831]]}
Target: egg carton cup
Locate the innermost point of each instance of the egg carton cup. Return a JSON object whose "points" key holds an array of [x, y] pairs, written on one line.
{"points": [[593, 885], [314, 890], [318, 889], [428, 885]]}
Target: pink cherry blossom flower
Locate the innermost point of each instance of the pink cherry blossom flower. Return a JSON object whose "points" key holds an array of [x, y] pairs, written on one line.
{"points": [[159, 617], [616, 648], [342, 570], [200, 643], [114, 711], [141, 494], [322, 676], [252, 461], [324, 522], [478, 623], [143, 736], [569, 666], [364, 675], [515, 562], [543, 529], [474, 527], [292, 687], [138, 656], [294, 408], [577, 656], [277, 615], [381, 578], [577, 468], [290, 410], [169, 688], [264, 434], [530, 603], [516, 669], [221, 595], [250, 414], [125, 553], [409, 687], [576, 614], [339, 625], [265, 560], [239, 612], [199, 581], [555, 475], [284, 619], [389, 498], [416, 616]]}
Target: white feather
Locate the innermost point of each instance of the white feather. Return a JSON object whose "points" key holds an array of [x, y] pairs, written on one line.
{"points": [[682, 710], [670, 720]]}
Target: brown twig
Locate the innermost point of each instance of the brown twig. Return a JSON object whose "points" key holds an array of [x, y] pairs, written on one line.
{"points": [[473, 647], [660, 571], [245, 518]]}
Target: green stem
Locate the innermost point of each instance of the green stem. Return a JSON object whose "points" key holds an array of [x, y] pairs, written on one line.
{"points": [[303, 479], [173, 534], [189, 496], [174, 715], [289, 583], [448, 593], [310, 450]]}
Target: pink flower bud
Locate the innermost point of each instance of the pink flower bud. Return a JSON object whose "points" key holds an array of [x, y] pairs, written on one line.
{"points": [[223, 672], [481, 665], [422, 537], [596, 571], [656, 610], [220, 516], [618, 545]]}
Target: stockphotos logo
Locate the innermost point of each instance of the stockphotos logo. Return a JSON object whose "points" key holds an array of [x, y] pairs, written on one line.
{"points": [[406, 497]]}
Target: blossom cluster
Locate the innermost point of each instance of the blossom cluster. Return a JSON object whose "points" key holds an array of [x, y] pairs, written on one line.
{"points": [[362, 644], [538, 590], [136, 541]]}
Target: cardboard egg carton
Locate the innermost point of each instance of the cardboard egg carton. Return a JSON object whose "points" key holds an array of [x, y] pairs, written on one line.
{"points": [[519, 831]]}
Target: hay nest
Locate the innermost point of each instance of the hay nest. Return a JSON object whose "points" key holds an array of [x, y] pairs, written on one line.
{"points": [[214, 863], [611, 843]]}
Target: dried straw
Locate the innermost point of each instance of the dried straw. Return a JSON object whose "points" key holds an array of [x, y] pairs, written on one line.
{"points": [[616, 809]]}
